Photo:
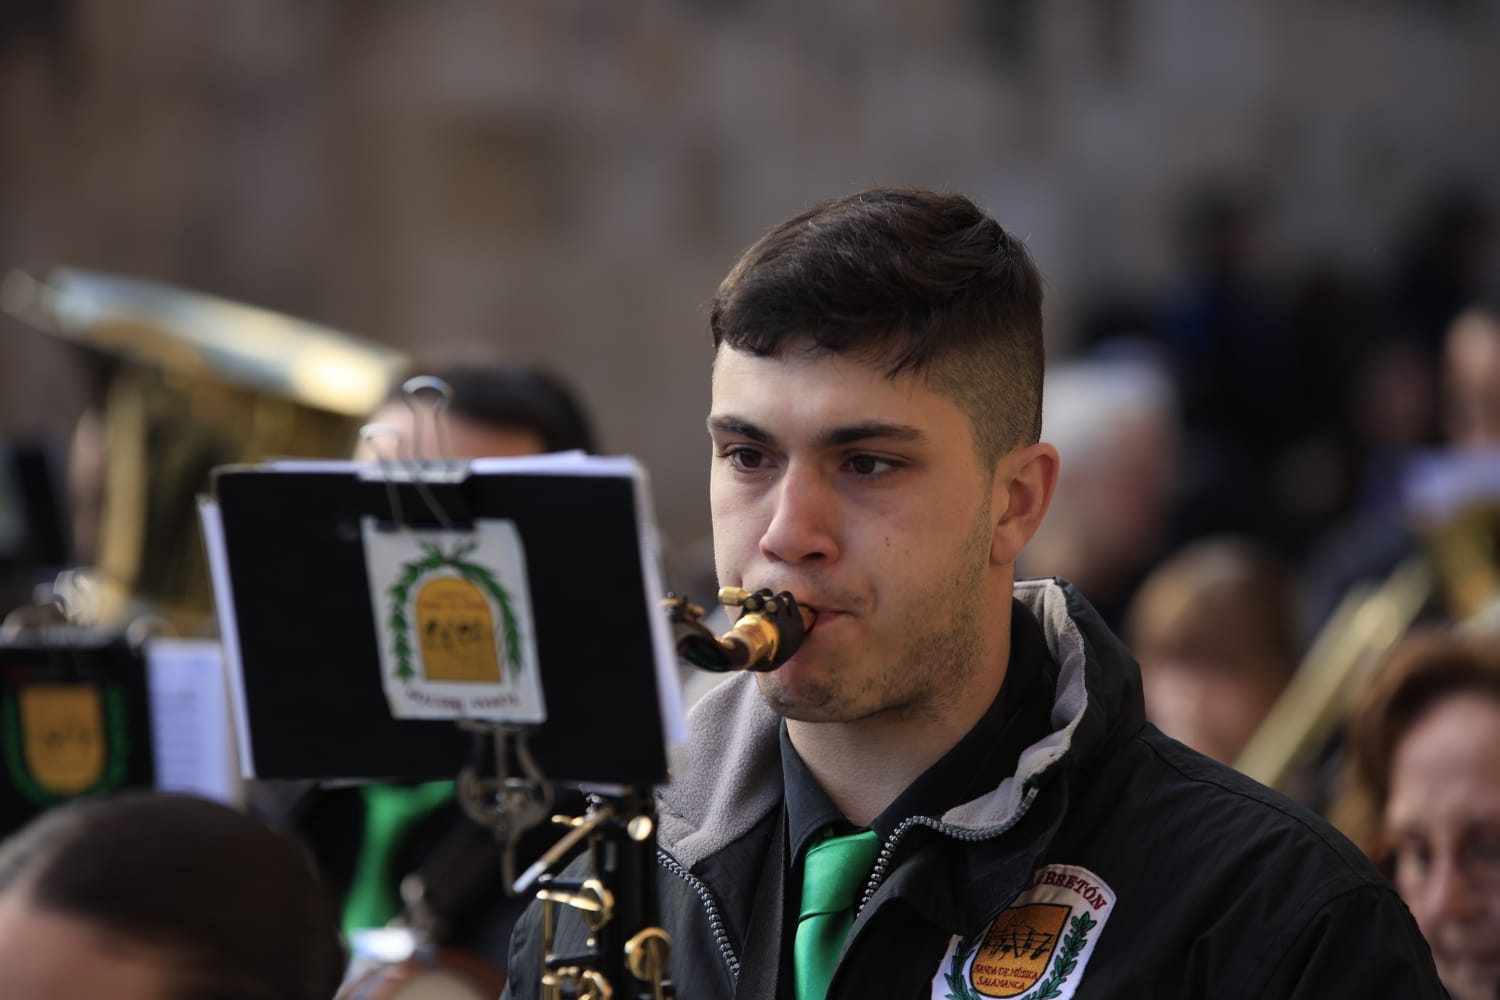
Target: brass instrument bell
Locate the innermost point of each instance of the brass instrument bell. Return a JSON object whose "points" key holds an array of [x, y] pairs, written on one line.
{"points": [[194, 382]]}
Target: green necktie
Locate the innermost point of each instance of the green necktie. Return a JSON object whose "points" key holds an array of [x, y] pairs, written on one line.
{"points": [[832, 874], [391, 812]]}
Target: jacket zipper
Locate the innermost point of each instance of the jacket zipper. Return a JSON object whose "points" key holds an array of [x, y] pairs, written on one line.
{"points": [[877, 874], [715, 922], [888, 850]]}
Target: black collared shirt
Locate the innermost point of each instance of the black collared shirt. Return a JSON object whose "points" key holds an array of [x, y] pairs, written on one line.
{"points": [[986, 756], [1018, 717]]}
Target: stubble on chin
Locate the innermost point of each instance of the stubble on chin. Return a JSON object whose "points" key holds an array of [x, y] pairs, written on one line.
{"points": [[811, 702], [922, 684], [940, 649]]}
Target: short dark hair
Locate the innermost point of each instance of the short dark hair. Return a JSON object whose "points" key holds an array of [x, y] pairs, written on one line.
{"points": [[519, 397], [917, 281], [236, 908]]}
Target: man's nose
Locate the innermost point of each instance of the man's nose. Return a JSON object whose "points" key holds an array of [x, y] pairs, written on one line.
{"points": [[803, 525]]}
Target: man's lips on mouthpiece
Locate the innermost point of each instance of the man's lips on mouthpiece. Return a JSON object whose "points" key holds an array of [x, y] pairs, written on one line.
{"points": [[822, 615]]}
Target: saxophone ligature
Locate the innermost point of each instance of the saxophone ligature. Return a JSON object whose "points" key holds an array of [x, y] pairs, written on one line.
{"points": [[769, 632]]}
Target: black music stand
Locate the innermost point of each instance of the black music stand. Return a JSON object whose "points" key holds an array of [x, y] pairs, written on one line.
{"points": [[287, 551]]}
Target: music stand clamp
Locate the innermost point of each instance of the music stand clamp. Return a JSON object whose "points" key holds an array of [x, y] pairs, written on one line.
{"points": [[507, 804]]}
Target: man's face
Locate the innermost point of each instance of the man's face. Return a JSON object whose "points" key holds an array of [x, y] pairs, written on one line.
{"points": [[863, 496], [1443, 818]]}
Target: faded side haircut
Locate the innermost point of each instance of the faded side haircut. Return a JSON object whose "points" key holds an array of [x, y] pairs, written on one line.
{"points": [[915, 281]]}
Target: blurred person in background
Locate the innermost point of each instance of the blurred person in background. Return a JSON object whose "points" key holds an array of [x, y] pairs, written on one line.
{"points": [[149, 896], [1441, 263], [497, 410], [1232, 360], [1230, 351], [1214, 631], [1114, 417], [1394, 415], [1471, 376], [1407, 409], [1423, 796]]}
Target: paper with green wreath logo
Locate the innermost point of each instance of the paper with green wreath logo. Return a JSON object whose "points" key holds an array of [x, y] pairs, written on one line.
{"points": [[453, 618]]}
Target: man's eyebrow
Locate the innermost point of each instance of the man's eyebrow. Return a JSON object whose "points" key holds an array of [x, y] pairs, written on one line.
{"points": [[733, 426], [855, 433]]}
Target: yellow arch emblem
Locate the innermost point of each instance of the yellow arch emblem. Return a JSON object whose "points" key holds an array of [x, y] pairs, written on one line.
{"points": [[457, 632], [63, 738]]}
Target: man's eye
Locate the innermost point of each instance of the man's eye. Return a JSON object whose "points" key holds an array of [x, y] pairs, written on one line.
{"points": [[868, 465], [744, 458]]}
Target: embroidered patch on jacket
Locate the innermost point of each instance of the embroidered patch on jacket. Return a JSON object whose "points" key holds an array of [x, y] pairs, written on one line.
{"points": [[1038, 946]]}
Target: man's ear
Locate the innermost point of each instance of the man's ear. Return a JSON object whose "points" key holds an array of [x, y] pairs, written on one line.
{"points": [[1024, 481]]}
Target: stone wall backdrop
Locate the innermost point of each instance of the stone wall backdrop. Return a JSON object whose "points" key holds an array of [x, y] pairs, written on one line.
{"points": [[565, 181]]}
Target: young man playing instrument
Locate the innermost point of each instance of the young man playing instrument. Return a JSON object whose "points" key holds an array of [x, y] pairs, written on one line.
{"points": [[950, 790]]}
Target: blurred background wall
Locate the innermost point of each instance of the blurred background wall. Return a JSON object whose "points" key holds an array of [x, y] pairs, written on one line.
{"points": [[565, 181]]}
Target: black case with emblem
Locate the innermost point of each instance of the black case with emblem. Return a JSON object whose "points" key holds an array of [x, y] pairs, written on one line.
{"points": [[75, 719]]}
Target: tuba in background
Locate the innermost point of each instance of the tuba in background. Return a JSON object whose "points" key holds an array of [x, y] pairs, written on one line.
{"points": [[1450, 578], [190, 382]]}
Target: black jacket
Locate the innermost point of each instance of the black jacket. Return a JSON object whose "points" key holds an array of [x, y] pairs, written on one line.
{"points": [[1114, 863]]}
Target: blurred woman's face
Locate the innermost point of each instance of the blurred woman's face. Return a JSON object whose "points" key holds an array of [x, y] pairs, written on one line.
{"points": [[1208, 695], [1443, 821], [48, 956]]}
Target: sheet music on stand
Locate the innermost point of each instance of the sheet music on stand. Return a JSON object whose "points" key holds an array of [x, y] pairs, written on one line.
{"points": [[191, 736], [364, 608]]}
